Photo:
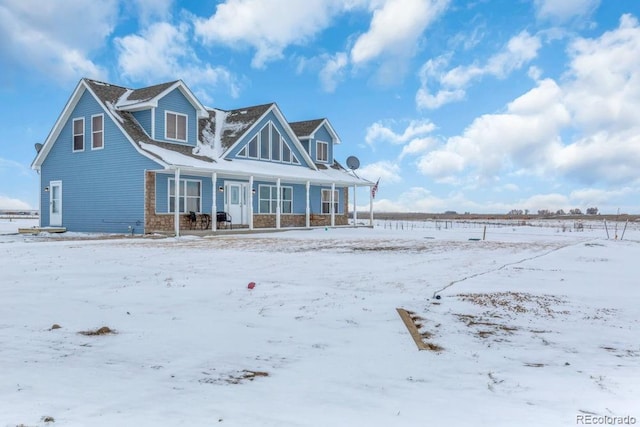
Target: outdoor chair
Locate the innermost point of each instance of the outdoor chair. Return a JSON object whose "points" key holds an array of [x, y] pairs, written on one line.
{"points": [[224, 218]]}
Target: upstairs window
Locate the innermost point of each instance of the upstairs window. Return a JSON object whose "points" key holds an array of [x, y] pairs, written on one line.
{"points": [[326, 201], [175, 126], [322, 151], [97, 131], [78, 134]]}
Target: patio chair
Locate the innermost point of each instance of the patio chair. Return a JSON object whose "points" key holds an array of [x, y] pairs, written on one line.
{"points": [[224, 218]]}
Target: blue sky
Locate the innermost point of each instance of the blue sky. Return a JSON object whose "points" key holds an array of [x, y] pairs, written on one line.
{"points": [[478, 106]]}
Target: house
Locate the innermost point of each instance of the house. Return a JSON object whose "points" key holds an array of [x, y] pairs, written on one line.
{"points": [[155, 159]]}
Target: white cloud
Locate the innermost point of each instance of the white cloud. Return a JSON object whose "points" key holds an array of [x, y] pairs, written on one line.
{"points": [[267, 26], [416, 128], [564, 10], [593, 108], [384, 170], [162, 52], [152, 10], [333, 71], [395, 28], [449, 86], [8, 203], [56, 38]]}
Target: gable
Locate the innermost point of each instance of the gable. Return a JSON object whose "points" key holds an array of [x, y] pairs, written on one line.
{"points": [[175, 104], [269, 140]]}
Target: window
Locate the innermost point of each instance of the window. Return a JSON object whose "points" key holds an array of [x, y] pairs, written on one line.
{"points": [[326, 201], [190, 195], [97, 131], [322, 151], [243, 152], [78, 134], [175, 126], [286, 153], [264, 143], [253, 148], [275, 144], [268, 199]]}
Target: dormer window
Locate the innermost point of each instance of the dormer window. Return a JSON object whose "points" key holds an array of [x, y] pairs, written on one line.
{"points": [[322, 151], [175, 126]]}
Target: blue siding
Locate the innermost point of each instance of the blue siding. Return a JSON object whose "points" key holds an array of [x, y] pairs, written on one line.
{"points": [[144, 118], [176, 102], [102, 190], [271, 117]]}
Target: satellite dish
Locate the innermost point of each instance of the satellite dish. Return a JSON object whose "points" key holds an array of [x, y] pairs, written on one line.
{"points": [[353, 163], [38, 147]]}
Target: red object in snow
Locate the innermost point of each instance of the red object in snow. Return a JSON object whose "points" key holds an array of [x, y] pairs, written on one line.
{"points": [[251, 285]]}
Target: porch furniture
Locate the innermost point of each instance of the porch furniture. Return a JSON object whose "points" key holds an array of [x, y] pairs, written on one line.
{"points": [[224, 218]]}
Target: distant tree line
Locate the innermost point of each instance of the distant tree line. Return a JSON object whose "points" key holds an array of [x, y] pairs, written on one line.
{"points": [[547, 212]]}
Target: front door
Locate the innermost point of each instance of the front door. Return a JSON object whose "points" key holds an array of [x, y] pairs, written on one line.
{"points": [[55, 203], [236, 202]]}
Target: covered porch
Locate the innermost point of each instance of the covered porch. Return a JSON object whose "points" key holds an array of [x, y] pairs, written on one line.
{"points": [[262, 202]]}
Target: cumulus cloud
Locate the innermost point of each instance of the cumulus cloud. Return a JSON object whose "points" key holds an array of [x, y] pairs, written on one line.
{"points": [[333, 71], [378, 132], [162, 52], [386, 171], [8, 203], [267, 26], [56, 38], [439, 86], [564, 10], [151, 10], [583, 129], [395, 28]]}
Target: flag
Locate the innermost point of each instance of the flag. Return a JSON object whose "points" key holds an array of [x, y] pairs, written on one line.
{"points": [[374, 189]]}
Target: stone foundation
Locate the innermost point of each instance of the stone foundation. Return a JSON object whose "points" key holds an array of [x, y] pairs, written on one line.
{"points": [[164, 223]]}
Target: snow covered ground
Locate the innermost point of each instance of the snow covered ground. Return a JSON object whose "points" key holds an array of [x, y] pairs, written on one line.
{"points": [[537, 327]]}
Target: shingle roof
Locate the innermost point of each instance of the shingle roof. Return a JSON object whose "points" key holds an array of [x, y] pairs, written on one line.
{"points": [[109, 95], [235, 124], [305, 128], [150, 92]]}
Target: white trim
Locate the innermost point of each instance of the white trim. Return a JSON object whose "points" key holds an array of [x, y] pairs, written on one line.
{"points": [[318, 143], [185, 196], [251, 202], [93, 132], [201, 110], [73, 134], [279, 202], [186, 124], [153, 123], [285, 125], [331, 200], [57, 183], [176, 212], [333, 204], [307, 211], [214, 202]]}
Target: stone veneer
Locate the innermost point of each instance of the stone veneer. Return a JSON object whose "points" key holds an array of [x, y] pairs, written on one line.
{"points": [[163, 223]]}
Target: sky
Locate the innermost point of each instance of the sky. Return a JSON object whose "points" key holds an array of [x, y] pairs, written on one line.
{"points": [[473, 106]]}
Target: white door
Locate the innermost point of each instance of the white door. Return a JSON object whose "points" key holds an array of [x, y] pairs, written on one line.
{"points": [[55, 203], [236, 202]]}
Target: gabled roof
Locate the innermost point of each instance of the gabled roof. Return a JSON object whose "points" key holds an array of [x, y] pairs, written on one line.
{"points": [[108, 96], [306, 129], [235, 124]]}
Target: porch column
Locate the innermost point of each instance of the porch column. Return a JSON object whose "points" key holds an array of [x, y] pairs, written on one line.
{"points": [[370, 207], [278, 201], [214, 201], [307, 211], [333, 204], [176, 205], [251, 202], [355, 207]]}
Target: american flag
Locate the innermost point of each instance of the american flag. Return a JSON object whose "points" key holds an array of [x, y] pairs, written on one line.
{"points": [[374, 189]]}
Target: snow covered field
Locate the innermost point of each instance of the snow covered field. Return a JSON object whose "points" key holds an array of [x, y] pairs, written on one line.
{"points": [[537, 327]]}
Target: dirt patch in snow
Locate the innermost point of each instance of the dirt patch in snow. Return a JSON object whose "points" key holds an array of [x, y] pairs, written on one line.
{"points": [[105, 330]]}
